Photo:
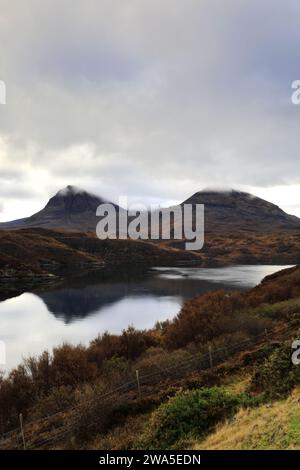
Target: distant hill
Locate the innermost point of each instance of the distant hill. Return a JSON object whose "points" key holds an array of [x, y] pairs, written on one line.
{"points": [[38, 257], [225, 212], [70, 209], [231, 211], [60, 239]]}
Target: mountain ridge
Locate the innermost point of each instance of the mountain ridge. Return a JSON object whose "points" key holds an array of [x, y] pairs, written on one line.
{"points": [[71, 208], [74, 209], [237, 210]]}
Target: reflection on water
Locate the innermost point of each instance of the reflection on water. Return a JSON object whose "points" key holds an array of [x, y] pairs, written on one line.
{"points": [[79, 311], [237, 276]]}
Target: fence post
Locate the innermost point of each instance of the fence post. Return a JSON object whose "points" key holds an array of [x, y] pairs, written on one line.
{"points": [[266, 333], [210, 357], [138, 383], [22, 430]]}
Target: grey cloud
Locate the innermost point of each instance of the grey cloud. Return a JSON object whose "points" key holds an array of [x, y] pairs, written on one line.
{"points": [[166, 97], [18, 192]]}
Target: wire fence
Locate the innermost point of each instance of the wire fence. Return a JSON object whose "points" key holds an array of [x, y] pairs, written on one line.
{"points": [[50, 430]]}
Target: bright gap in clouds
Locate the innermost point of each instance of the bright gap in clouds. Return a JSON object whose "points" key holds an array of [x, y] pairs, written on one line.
{"points": [[13, 209], [286, 197]]}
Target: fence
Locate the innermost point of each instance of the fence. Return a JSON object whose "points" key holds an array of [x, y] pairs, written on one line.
{"points": [[52, 429]]}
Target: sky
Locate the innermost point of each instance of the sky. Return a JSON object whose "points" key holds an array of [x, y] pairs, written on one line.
{"points": [[154, 100]]}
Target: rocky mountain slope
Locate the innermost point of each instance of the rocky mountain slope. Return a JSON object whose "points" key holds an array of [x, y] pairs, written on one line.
{"points": [[70, 209], [232, 211], [225, 212]]}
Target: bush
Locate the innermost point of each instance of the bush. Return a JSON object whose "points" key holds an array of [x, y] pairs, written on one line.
{"points": [[59, 399], [130, 345], [70, 365], [258, 356], [155, 359], [190, 414], [115, 370], [99, 418], [277, 376]]}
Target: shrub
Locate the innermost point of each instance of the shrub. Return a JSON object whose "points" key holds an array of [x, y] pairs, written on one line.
{"points": [[70, 365], [189, 414], [259, 355], [98, 418], [277, 376], [104, 347], [115, 370], [130, 344], [135, 342], [155, 359], [59, 399]]}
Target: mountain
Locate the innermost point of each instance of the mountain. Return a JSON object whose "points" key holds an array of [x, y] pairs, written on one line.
{"points": [[74, 209], [70, 209], [232, 211]]}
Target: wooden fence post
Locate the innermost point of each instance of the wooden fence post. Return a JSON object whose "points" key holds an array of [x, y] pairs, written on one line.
{"points": [[22, 430], [138, 383], [266, 333], [210, 357]]}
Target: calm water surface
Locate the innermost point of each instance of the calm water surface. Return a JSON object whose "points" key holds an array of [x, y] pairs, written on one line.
{"points": [[80, 310]]}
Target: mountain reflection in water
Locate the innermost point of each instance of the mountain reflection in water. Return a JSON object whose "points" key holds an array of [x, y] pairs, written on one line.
{"points": [[78, 311]]}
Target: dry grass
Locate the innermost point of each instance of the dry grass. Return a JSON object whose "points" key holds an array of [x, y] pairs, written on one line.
{"points": [[237, 383], [275, 426], [122, 437]]}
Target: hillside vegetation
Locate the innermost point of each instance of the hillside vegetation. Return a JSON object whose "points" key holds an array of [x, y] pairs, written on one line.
{"points": [[32, 258], [87, 396], [270, 426]]}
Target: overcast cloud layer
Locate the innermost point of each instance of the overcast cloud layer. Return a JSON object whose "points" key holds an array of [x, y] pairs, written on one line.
{"points": [[152, 99]]}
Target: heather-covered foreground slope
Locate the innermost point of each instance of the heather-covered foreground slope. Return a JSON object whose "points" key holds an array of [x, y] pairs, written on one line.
{"points": [[87, 396], [269, 426]]}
